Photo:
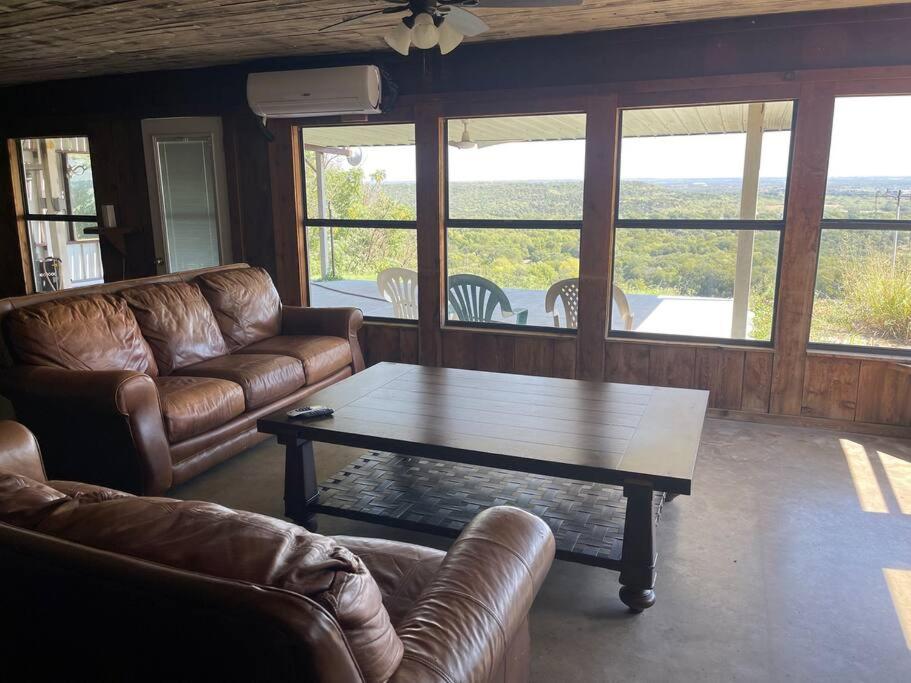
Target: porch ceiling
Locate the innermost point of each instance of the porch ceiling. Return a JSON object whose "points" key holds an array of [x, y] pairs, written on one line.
{"points": [[724, 118], [49, 39]]}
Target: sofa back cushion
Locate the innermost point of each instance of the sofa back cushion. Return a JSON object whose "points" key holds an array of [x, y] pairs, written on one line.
{"points": [[94, 332], [177, 322], [245, 303], [214, 540]]}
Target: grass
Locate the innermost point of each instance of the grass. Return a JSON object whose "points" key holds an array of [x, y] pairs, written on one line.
{"points": [[874, 308]]}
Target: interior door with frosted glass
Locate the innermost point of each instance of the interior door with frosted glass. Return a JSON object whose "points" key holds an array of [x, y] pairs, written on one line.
{"points": [[187, 191]]}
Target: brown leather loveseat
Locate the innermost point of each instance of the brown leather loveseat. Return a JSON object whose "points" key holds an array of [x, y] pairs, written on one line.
{"points": [[99, 584], [142, 384]]}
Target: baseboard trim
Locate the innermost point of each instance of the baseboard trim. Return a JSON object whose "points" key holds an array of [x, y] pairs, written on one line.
{"points": [[899, 431]]}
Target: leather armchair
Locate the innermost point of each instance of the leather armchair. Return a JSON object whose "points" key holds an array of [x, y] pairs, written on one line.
{"points": [[460, 616]]}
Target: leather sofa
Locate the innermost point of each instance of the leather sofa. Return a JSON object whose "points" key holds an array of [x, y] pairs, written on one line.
{"points": [[109, 585], [142, 384]]}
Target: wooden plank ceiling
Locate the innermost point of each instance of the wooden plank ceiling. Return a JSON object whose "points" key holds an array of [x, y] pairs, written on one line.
{"points": [[51, 39]]}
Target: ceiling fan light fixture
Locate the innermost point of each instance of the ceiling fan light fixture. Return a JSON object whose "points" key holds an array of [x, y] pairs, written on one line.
{"points": [[399, 39], [425, 33], [450, 38]]}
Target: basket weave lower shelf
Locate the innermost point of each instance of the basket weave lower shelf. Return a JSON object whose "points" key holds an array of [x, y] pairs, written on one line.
{"points": [[441, 497]]}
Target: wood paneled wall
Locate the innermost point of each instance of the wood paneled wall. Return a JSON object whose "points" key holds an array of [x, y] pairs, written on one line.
{"points": [[810, 58], [866, 394], [786, 382]]}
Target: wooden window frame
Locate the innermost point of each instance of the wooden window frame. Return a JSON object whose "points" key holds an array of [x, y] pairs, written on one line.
{"points": [[307, 221], [753, 225], [69, 218], [539, 109], [881, 89], [778, 376], [25, 216]]}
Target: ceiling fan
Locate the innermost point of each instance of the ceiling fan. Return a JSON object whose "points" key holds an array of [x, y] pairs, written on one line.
{"points": [[466, 142], [442, 23]]}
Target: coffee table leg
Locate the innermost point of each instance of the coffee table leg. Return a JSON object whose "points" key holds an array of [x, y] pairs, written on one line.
{"points": [[637, 572], [301, 490]]}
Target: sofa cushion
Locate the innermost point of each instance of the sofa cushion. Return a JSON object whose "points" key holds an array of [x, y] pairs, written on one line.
{"points": [[194, 405], [245, 303], [216, 541], [321, 356], [91, 332], [177, 323], [263, 378]]}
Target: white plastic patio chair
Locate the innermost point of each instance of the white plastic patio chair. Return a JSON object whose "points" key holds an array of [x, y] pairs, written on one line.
{"points": [[399, 286], [568, 293]]}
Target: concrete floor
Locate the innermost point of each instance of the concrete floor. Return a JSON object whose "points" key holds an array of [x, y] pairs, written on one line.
{"points": [[771, 570]]}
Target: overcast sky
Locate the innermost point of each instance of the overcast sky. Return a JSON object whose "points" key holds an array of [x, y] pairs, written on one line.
{"points": [[872, 137]]}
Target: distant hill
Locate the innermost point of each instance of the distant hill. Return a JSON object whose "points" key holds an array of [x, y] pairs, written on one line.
{"points": [[659, 198]]}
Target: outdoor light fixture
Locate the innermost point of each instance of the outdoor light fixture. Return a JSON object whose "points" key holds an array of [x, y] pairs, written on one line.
{"points": [[424, 31]]}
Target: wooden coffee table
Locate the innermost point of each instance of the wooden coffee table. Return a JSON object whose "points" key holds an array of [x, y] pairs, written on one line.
{"points": [[454, 441]]}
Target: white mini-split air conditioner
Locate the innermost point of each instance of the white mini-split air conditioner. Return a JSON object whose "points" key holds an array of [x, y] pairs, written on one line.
{"points": [[315, 92]]}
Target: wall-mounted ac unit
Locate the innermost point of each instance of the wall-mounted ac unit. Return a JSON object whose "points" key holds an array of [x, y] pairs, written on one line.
{"points": [[315, 92]]}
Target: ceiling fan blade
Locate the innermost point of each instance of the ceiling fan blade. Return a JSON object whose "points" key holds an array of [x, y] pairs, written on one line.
{"points": [[528, 3], [464, 22], [494, 143], [347, 20]]}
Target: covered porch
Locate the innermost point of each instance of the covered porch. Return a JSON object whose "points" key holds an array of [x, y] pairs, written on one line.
{"points": [[652, 313]]}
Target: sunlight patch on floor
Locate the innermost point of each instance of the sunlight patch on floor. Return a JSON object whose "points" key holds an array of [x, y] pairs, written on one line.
{"points": [[899, 473], [868, 492], [899, 582]]}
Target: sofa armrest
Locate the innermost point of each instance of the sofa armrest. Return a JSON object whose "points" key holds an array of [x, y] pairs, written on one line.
{"points": [[19, 451], [331, 322], [100, 427], [461, 626]]}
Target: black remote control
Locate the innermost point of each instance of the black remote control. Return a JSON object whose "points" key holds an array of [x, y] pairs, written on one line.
{"points": [[307, 412]]}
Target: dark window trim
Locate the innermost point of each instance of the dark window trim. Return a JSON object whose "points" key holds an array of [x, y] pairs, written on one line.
{"points": [[455, 324], [361, 223], [410, 322], [520, 224], [330, 223], [496, 224], [874, 225], [776, 225], [865, 350], [59, 218], [685, 338], [883, 225], [335, 222]]}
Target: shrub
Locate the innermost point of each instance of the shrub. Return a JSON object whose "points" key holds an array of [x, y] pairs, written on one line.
{"points": [[877, 299]]}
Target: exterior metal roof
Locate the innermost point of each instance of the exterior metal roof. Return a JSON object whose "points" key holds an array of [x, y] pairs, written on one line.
{"points": [[656, 122]]}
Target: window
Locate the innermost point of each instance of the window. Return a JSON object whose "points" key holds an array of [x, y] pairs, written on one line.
{"points": [[59, 195], [361, 228], [701, 205], [514, 212], [863, 277]]}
